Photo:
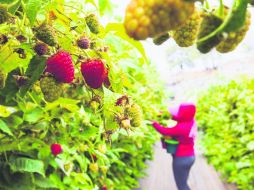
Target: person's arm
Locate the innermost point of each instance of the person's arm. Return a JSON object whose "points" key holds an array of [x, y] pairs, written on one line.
{"points": [[172, 131]]}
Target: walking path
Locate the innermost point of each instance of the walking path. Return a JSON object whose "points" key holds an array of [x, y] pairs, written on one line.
{"points": [[202, 175]]}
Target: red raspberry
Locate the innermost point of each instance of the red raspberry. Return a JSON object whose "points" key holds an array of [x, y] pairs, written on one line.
{"points": [[56, 149], [104, 188], [61, 66], [94, 73]]}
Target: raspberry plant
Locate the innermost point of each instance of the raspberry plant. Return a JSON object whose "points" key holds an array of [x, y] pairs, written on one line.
{"points": [[61, 74]]}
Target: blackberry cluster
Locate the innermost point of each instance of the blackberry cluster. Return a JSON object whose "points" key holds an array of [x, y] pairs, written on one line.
{"points": [[209, 24], [234, 38], [186, 35]]}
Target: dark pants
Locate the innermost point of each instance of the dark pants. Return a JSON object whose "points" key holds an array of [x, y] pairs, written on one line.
{"points": [[181, 170]]}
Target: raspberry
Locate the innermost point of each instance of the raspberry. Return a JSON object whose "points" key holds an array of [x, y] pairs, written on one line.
{"points": [[186, 35], [2, 79], [56, 149], [152, 18], [61, 66], [83, 42], [209, 23], [50, 88], [234, 38], [21, 38], [122, 101], [20, 80], [93, 23], [41, 48], [46, 34], [94, 73], [3, 39], [161, 39], [94, 167], [3, 14], [135, 113], [104, 188]]}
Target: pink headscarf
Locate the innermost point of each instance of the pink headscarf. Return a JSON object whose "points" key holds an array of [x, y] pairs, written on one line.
{"points": [[185, 112]]}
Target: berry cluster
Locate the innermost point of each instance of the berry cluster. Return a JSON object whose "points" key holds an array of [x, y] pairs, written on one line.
{"points": [[153, 18]]}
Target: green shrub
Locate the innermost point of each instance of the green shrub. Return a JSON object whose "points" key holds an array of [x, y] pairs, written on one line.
{"points": [[226, 119]]}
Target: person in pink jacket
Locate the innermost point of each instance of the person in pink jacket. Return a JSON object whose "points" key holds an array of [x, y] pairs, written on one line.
{"points": [[185, 133]]}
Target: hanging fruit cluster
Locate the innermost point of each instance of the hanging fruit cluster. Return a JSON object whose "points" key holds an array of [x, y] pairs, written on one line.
{"points": [[188, 23]]}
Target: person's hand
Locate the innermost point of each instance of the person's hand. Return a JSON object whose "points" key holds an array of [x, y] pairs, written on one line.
{"points": [[155, 123]]}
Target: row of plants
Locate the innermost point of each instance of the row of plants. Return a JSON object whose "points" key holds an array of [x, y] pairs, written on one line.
{"points": [[226, 119], [72, 94]]}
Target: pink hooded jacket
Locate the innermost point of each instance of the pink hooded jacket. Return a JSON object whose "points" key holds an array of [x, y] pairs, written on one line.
{"points": [[184, 131]]}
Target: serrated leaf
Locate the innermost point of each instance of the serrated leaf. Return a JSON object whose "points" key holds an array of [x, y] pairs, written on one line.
{"points": [[32, 8], [4, 128], [21, 164], [35, 69]]}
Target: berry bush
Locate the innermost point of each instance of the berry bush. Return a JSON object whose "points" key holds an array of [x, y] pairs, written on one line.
{"points": [[225, 119], [73, 103]]}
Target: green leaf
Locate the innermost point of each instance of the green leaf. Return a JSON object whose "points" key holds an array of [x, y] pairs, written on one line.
{"points": [[6, 1], [33, 115], [35, 69], [32, 8], [6, 111], [21, 164], [10, 88], [104, 5], [118, 29], [5, 128], [43, 182], [92, 2], [14, 6], [237, 16]]}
